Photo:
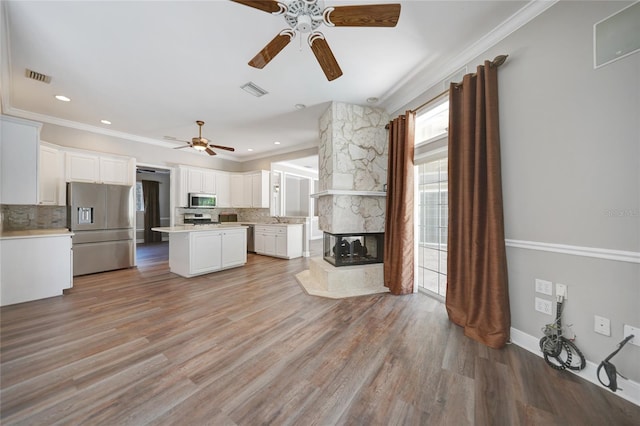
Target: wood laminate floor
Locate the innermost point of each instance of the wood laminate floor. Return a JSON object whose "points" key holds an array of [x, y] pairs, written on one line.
{"points": [[247, 346]]}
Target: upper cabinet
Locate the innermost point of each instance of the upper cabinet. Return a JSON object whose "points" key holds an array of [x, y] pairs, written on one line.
{"points": [[260, 189], [51, 176], [250, 189], [95, 168], [19, 151], [240, 190], [196, 180], [223, 189]]}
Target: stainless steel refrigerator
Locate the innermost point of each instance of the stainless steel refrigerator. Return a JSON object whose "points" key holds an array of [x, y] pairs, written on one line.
{"points": [[101, 216]]}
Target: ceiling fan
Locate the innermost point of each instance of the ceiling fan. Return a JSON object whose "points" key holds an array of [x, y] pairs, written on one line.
{"points": [[305, 16], [202, 144]]}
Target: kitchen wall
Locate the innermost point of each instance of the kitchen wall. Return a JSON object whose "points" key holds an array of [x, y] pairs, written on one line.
{"points": [[570, 138]]}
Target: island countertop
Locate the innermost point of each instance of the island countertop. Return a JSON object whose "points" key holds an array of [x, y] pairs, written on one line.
{"points": [[197, 228]]}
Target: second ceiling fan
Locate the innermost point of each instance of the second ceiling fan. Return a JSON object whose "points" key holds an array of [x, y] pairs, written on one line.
{"points": [[202, 144], [305, 16]]}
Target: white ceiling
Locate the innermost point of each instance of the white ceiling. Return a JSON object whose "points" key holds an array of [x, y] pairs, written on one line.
{"points": [[153, 68]]}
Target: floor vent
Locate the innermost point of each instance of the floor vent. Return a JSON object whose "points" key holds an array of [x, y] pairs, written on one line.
{"points": [[37, 76]]}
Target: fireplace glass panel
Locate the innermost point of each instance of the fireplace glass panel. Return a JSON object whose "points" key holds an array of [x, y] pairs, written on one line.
{"points": [[353, 249]]}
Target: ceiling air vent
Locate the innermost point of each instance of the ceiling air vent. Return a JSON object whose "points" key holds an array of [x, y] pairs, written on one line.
{"points": [[37, 76], [255, 90]]}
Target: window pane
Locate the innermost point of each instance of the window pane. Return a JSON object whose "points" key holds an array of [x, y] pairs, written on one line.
{"points": [[433, 211], [432, 123]]}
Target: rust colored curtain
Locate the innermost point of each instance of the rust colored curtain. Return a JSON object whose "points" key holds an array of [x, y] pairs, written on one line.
{"points": [[477, 287], [151, 191], [398, 234]]}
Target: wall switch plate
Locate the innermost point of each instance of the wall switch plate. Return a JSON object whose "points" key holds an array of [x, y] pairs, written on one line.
{"points": [[561, 290], [544, 287], [602, 325], [543, 305], [629, 330]]}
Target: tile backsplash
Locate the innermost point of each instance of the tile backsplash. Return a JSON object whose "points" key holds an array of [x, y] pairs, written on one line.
{"points": [[18, 218]]}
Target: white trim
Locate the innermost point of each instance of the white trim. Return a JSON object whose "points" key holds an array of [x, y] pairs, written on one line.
{"points": [[348, 192], [420, 79], [630, 390], [601, 253]]}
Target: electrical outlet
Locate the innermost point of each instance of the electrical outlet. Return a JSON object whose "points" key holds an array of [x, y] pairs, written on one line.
{"points": [[602, 325], [544, 287], [629, 330], [544, 306], [561, 290]]}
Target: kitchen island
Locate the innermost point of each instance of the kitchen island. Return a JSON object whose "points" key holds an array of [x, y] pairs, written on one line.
{"points": [[202, 249]]}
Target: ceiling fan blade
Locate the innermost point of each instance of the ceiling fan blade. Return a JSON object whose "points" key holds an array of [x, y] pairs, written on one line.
{"points": [[226, 148], [274, 47], [180, 147], [325, 57], [370, 15], [210, 151], [270, 6]]}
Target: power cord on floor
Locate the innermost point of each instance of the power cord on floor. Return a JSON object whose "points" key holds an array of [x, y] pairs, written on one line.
{"points": [[559, 351], [610, 369]]}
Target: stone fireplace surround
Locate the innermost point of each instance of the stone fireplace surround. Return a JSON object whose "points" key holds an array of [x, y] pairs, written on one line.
{"points": [[353, 157]]}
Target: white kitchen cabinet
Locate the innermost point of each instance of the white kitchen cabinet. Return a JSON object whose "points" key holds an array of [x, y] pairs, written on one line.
{"points": [[81, 167], [24, 279], [51, 176], [250, 189], [194, 180], [239, 190], [209, 182], [197, 180], [116, 171], [260, 189], [206, 252], [234, 242], [200, 251], [95, 168], [223, 189], [19, 151], [279, 240]]}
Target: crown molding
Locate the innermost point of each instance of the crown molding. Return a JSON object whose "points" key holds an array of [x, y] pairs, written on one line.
{"points": [[422, 78]]}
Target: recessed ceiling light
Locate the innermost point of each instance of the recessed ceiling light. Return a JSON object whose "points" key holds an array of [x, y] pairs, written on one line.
{"points": [[249, 149], [372, 100], [276, 143], [63, 98], [300, 106], [105, 121]]}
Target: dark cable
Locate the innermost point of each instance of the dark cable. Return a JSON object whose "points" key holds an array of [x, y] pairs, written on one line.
{"points": [[610, 369]]}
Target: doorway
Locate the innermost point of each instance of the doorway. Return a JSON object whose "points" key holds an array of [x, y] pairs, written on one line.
{"points": [[153, 209]]}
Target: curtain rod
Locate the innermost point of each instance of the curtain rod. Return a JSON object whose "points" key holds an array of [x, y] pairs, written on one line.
{"points": [[497, 61]]}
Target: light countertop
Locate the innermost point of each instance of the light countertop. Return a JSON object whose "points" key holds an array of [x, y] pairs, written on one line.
{"points": [[197, 228], [35, 233]]}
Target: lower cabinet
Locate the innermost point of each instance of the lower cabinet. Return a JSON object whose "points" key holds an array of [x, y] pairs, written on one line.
{"points": [[35, 268], [279, 240], [202, 252]]}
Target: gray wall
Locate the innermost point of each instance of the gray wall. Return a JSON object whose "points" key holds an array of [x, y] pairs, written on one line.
{"points": [[571, 173]]}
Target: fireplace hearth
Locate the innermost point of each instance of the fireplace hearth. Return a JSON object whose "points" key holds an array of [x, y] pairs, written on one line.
{"points": [[353, 249]]}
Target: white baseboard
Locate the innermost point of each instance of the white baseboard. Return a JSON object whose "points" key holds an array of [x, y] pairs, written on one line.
{"points": [[630, 389]]}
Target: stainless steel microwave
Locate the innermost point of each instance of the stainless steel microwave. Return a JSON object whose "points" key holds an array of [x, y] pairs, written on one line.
{"points": [[202, 201]]}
